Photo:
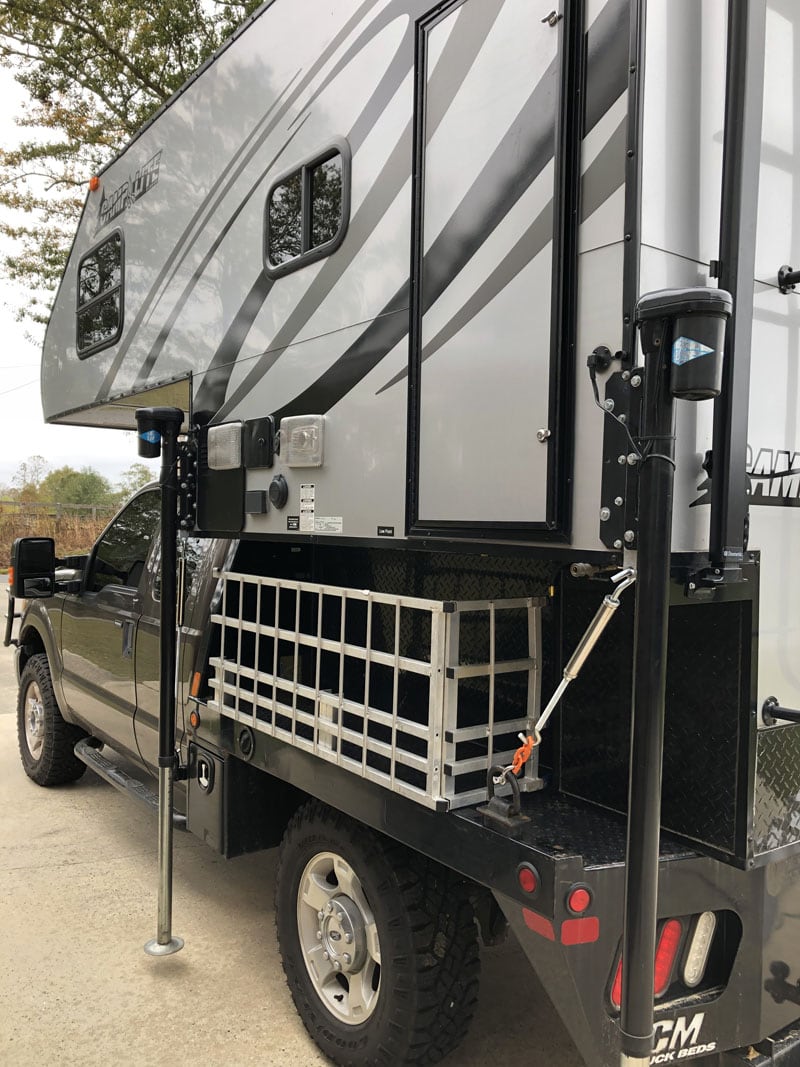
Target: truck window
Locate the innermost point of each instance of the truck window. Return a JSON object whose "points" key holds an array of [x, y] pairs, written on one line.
{"points": [[306, 215], [121, 553], [99, 311]]}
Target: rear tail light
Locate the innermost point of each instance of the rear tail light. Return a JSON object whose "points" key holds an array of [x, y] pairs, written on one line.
{"points": [[699, 947], [669, 942], [667, 946]]}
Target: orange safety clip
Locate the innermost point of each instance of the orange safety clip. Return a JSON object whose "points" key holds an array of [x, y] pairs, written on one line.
{"points": [[523, 753]]}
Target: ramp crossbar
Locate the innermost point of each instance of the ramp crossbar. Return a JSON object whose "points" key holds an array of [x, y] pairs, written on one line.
{"points": [[375, 683]]}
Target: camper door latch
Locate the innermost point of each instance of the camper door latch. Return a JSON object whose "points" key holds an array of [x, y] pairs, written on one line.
{"points": [[553, 18]]}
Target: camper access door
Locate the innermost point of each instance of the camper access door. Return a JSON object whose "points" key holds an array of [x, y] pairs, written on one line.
{"points": [[484, 339]]}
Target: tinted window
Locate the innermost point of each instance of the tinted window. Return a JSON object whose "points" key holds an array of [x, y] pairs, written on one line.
{"points": [[286, 221], [307, 212], [99, 319], [122, 552], [326, 201]]}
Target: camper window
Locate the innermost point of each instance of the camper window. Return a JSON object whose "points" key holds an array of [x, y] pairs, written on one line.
{"points": [[307, 212], [99, 312]]}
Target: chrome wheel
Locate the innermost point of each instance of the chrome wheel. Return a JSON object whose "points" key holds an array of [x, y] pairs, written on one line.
{"points": [[339, 938], [34, 720]]}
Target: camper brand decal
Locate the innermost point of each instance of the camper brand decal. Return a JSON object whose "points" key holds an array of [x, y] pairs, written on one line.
{"points": [[684, 350], [679, 1039], [130, 191], [773, 476]]}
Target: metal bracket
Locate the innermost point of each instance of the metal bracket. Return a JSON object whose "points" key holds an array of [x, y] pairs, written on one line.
{"points": [[620, 476], [788, 279], [504, 812]]}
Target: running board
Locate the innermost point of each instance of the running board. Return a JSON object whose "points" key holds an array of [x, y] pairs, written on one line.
{"points": [[126, 783]]}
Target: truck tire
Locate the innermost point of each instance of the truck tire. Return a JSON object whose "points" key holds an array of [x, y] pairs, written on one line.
{"points": [[46, 741], [379, 945]]}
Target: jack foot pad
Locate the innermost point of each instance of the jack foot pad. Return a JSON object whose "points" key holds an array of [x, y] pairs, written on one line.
{"points": [[153, 948]]}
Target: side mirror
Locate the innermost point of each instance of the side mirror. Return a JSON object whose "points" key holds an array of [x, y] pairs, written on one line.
{"points": [[33, 568]]}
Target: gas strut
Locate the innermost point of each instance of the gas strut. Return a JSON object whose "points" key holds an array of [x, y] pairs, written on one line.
{"points": [[583, 650], [158, 435]]}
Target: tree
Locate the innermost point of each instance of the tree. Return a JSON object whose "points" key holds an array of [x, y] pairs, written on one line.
{"points": [[93, 73], [66, 485], [137, 476], [28, 478]]}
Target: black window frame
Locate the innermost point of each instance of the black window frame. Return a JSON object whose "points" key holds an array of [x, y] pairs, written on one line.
{"points": [[91, 571], [79, 307], [307, 255]]}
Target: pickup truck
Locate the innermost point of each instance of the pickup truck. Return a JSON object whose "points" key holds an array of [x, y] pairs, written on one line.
{"points": [[87, 658]]}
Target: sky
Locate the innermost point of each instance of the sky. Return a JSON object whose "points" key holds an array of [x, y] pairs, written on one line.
{"points": [[23, 432]]}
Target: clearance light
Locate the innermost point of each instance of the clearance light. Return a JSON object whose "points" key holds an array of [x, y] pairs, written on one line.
{"points": [[94, 183], [668, 944], [528, 878], [194, 720], [699, 947], [197, 681], [578, 899]]}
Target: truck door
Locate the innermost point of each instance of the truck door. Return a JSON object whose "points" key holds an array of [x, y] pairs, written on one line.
{"points": [[193, 564], [99, 626], [487, 212]]}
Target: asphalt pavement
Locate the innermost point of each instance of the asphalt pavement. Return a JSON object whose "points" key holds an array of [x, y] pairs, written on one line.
{"points": [[78, 902]]}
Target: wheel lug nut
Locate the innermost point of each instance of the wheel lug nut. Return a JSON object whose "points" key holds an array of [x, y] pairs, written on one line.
{"points": [[348, 938], [319, 935], [348, 959], [320, 915], [325, 956], [336, 965]]}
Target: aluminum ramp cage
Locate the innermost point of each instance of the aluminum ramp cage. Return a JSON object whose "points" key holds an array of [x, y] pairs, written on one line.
{"points": [[376, 683]]}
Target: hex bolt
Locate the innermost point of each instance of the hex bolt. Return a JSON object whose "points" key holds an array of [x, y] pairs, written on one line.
{"points": [[608, 404], [629, 536], [605, 514], [622, 419], [618, 543], [618, 501], [622, 460], [542, 435], [633, 459], [626, 375], [636, 381]]}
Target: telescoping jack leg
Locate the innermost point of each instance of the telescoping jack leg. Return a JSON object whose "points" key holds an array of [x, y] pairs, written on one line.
{"points": [[158, 430]]}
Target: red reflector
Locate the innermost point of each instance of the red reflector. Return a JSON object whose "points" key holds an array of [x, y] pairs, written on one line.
{"points": [[666, 951], [580, 931], [616, 988], [527, 878], [578, 900], [538, 924]]}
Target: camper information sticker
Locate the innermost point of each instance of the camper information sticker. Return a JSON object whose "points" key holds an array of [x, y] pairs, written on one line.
{"points": [[308, 493]]}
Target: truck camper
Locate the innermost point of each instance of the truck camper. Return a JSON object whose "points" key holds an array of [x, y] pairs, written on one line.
{"points": [[468, 334]]}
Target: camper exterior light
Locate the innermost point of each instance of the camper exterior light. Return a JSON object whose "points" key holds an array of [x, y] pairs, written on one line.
{"points": [[225, 446]]}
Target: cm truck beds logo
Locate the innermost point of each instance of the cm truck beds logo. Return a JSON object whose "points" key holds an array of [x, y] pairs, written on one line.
{"points": [[679, 1039], [137, 184], [773, 478]]}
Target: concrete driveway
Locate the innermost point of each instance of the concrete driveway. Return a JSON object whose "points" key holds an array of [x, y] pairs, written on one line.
{"points": [[78, 901]]}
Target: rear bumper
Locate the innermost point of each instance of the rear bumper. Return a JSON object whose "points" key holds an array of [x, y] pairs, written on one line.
{"points": [[780, 1050]]}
